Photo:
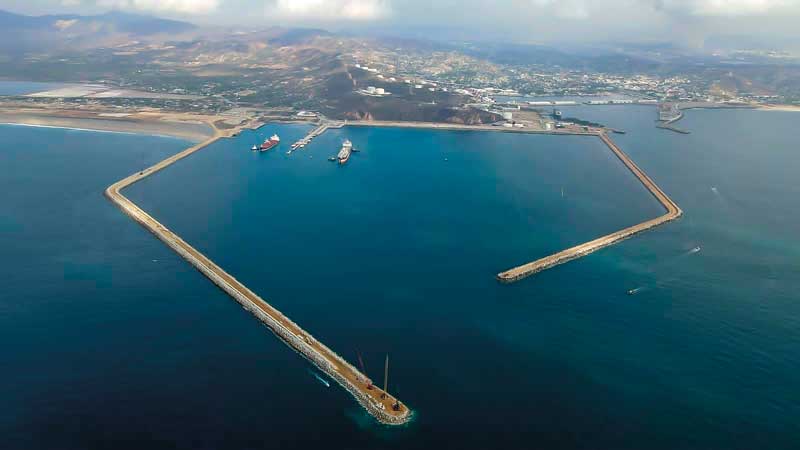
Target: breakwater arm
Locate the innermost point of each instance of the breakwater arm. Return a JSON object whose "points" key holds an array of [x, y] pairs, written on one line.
{"points": [[672, 213], [383, 406]]}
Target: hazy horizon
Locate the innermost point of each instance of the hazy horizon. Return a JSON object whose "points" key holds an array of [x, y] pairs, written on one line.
{"points": [[681, 22]]}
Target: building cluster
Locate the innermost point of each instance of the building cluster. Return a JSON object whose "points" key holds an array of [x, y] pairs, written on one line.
{"points": [[482, 80]]}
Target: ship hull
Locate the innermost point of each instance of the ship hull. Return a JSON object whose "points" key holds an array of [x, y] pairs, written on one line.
{"points": [[267, 146]]}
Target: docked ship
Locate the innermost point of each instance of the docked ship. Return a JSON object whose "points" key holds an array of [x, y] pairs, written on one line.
{"points": [[269, 143], [345, 152]]}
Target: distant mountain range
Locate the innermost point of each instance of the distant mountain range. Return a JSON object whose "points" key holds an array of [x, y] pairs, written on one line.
{"points": [[20, 33]]}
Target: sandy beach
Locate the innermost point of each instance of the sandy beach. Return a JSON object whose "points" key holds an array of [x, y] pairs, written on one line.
{"points": [[789, 108], [192, 130]]}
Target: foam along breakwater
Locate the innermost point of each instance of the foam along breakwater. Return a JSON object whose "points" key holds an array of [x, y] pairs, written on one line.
{"points": [[672, 212], [381, 405]]}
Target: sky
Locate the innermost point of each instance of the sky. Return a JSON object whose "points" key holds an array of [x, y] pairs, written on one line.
{"points": [[684, 21]]}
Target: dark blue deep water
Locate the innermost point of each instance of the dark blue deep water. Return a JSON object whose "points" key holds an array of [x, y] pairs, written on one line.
{"points": [[112, 341]]}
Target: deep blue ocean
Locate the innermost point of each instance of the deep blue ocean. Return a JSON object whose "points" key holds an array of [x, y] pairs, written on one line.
{"points": [[113, 341]]}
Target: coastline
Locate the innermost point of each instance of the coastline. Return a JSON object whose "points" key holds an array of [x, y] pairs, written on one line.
{"points": [[575, 130], [193, 131], [784, 108]]}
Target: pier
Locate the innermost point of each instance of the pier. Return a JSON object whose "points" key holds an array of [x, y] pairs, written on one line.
{"points": [[672, 212], [573, 130], [327, 125], [379, 403], [323, 127]]}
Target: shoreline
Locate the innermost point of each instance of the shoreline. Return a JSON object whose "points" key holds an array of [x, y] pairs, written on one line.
{"points": [[164, 126], [577, 131], [93, 130], [784, 108]]}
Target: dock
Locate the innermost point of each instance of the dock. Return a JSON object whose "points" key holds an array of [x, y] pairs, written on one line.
{"points": [[672, 212], [576, 130], [321, 128], [379, 403]]}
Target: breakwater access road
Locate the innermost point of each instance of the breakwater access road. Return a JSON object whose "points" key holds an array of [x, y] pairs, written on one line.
{"points": [[381, 405], [672, 212]]}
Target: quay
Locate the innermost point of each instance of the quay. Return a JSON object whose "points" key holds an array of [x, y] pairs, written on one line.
{"points": [[672, 212], [327, 125], [323, 127], [577, 130], [379, 403]]}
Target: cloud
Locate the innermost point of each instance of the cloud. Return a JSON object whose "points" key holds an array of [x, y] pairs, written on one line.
{"points": [[565, 9], [722, 7], [333, 9], [163, 6]]}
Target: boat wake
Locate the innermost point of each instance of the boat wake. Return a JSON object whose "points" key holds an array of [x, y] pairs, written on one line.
{"points": [[320, 379], [670, 262]]}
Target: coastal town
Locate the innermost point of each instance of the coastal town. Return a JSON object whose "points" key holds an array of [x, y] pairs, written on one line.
{"points": [[289, 75], [399, 224]]}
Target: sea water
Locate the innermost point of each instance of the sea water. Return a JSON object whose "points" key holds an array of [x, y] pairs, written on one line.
{"points": [[115, 339], [26, 87]]}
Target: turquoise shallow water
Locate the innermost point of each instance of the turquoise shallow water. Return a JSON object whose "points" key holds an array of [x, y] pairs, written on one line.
{"points": [[117, 338]]}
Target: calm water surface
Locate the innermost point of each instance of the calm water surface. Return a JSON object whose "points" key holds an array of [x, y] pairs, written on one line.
{"points": [[116, 338], [26, 87]]}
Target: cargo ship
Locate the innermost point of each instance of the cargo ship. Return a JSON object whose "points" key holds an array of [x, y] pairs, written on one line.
{"points": [[345, 152], [269, 143]]}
